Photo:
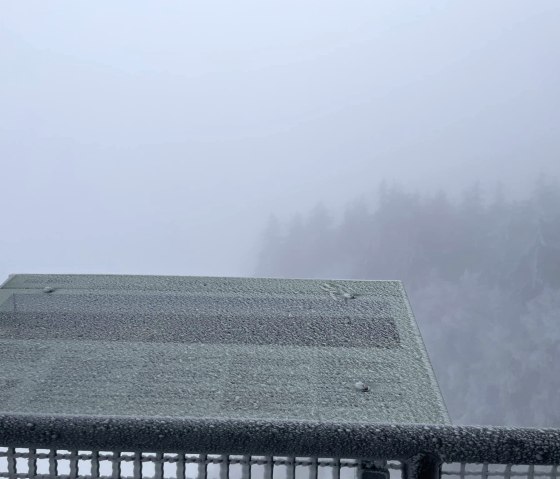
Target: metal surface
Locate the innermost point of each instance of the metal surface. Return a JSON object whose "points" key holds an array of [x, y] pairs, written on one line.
{"points": [[221, 348], [281, 438]]}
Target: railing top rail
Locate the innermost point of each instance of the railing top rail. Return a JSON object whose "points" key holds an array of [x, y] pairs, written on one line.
{"points": [[475, 444]]}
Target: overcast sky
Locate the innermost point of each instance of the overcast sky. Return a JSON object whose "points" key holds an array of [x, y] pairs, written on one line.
{"points": [[156, 137]]}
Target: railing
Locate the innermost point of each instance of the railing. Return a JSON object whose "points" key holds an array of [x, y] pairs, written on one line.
{"points": [[80, 447]]}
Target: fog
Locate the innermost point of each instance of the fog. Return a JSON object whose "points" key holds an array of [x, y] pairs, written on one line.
{"points": [[142, 137], [149, 137]]}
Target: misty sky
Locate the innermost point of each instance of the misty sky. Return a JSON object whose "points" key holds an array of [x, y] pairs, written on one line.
{"points": [[156, 137]]}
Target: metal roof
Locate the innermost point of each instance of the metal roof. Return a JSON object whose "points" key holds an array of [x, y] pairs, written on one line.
{"points": [[215, 348]]}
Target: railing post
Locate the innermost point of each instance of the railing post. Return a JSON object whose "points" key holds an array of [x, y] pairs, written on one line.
{"points": [[424, 466], [373, 470]]}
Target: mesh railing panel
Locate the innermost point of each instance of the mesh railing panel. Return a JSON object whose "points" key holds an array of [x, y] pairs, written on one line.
{"points": [[483, 471], [78, 464], [64, 464]]}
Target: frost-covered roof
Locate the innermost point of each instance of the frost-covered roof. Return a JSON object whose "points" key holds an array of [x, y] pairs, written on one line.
{"points": [[219, 348]]}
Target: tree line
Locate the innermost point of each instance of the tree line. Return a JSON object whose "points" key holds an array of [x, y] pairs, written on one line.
{"points": [[483, 277]]}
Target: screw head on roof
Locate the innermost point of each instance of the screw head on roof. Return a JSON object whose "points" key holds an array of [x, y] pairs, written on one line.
{"points": [[48, 289], [360, 386]]}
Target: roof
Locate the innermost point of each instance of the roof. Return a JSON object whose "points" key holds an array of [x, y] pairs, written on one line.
{"points": [[221, 348]]}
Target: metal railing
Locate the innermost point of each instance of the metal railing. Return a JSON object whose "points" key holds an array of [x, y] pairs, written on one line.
{"points": [[25, 463], [115, 447]]}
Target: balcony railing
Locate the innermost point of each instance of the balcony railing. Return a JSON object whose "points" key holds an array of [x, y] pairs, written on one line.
{"points": [[322, 362], [87, 446]]}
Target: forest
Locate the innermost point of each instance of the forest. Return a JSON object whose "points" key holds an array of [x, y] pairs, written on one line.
{"points": [[483, 277]]}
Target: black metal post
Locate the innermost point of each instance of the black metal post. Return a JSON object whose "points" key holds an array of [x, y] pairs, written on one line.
{"points": [[423, 466]]}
